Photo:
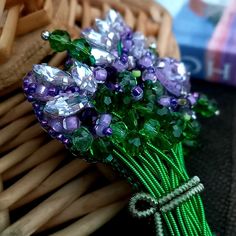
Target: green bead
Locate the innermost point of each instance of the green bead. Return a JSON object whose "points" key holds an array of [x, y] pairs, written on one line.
{"points": [[136, 142], [150, 129], [177, 131], [107, 100], [59, 40], [119, 48], [119, 131], [109, 158], [127, 81], [82, 140], [136, 73], [162, 111], [80, 50]]}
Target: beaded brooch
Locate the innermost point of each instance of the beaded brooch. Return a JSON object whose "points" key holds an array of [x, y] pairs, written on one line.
{"points": [[118, 102]]}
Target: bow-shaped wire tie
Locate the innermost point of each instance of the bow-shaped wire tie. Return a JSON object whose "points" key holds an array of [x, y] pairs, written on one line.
{"points": [[165, 203]]}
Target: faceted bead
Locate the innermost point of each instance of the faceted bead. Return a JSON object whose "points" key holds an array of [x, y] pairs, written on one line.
{"points": [[145, 62], [41, 93], [147, 75], [59, 40], [71, 123], [52, 91], [100, 74], [105, 120], [164, 101], [173, 76], [80, 50], [173, 104], [96, 38], [99, 130], [101, 56], [65, 104], [127, 43], [137, 93], [51, 75], [102, 26], [83, 77], [32, 87], [120, 66], [56, 125], [82, 139]]}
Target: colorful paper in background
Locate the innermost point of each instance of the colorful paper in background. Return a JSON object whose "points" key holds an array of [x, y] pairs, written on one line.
{"points": [[206, 33]]}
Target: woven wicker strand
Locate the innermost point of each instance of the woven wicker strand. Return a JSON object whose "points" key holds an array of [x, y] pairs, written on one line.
{"points": [[40, 168]]}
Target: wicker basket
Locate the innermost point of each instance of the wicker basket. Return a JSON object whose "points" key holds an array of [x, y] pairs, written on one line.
{"points": [[42, 186]]}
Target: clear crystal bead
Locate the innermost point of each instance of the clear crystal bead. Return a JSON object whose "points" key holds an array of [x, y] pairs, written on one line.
{"points": [[83, 77], [50, 75], [95, 38], [101, 56], [102, 26], [65, 104]]}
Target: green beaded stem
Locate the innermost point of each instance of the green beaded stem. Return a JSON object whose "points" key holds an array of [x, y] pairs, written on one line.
{"points": [[158, 180]]}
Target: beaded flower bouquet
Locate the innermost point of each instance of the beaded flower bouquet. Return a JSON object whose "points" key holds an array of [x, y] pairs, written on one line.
{"points": [[118, 102]]}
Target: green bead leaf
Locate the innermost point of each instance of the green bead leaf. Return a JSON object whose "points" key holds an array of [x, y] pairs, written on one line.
{"points": [[150, 129], [119, 131], [177, 131], [82, 140], [59, 40], [206, 107]]}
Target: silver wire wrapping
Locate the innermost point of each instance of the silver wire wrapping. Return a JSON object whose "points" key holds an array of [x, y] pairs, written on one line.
{"points": [[165, 203]]}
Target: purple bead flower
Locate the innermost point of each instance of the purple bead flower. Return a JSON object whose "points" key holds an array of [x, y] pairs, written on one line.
{"points": [[173, 76]]}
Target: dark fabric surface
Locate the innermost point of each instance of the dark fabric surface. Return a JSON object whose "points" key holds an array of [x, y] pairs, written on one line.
{"points": [[214, 162]]}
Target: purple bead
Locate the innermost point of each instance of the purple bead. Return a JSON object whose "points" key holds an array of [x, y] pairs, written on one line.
{"points": [[147, 75], [75, 89], [117, 87], [36, 106], [44, 123], [125, 50], [173, 76], [71, 123], [26, 90], [32, 87], [56, 125], [173, 104], [127, 43], [120, 66], [99, 130], [124, 58], [107, 131], [30, 98], [136, 91], [150, 70], [145, 62], [66, 141], [192, 99], [100, 74], [39, 113], [60, 137], [41, 91], [52, 91], [164, 101], [105, 120]]}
